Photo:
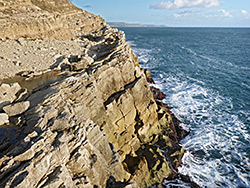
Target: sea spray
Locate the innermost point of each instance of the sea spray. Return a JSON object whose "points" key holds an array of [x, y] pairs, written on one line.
{"points": [[205, 76]]}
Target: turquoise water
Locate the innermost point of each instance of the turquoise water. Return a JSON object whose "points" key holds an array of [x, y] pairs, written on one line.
{"points": [[205, 73]]}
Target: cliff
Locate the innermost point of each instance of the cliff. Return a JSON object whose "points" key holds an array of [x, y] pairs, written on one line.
{"points": [[47, 19], [84, 118]]}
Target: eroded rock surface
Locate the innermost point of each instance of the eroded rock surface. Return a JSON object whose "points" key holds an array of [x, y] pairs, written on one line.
{"points": [[47, 19], [17, 108], [26, 54], [94, 122], [8, 93], [4, 119]]}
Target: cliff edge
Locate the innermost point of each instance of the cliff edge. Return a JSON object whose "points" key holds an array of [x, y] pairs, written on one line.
{"points": [[84, 117], [47, 19]]}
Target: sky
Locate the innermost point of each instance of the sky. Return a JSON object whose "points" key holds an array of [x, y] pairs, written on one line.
{"points": [[175, 13]]}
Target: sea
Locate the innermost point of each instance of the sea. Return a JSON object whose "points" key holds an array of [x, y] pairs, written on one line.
{"points": [[205, 74]]}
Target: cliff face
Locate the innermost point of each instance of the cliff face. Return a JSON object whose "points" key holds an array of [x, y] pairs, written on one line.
{"points": [[47, 19], [93, 121]]}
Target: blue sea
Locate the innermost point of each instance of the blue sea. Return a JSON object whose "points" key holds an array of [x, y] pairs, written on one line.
{"points": [[205, 74]]}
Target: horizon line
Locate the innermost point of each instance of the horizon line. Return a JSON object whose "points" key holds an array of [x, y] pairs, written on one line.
{"points": [[169, 26]]}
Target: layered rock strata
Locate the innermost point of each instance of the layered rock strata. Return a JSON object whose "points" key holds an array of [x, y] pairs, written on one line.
{"points": [[89, 119], [46, 19]]}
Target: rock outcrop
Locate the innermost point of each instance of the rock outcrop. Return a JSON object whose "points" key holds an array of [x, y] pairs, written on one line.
{"points": [[8, 93], [47, 19], [17, 108], [4, 118], [93, 121]]}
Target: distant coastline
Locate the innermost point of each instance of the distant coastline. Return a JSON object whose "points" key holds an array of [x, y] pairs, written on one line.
{"points": [[125, 24]]}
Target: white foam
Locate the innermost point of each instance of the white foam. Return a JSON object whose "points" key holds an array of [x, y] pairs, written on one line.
{"points": [[187, 49], [192, 62], [143, 56], [217, 135], [131, 43], [245, 85], [214, 131]]}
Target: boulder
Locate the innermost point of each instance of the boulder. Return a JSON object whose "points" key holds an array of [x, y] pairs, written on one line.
{"points": [[4, 118], [8, 93], [17, 108]]}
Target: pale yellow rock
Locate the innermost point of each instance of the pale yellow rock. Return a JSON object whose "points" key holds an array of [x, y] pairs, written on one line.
{"points": [[17, 108], [96, 117], [4, 119], [8, 93], [51, 19]]}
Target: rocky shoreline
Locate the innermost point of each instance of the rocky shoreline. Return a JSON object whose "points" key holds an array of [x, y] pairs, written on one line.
{"points": [[76, 110], [176, 179]]}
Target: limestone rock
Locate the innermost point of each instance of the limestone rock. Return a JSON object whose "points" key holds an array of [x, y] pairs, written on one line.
{"points": [[8, 93], [4, 118], [91, 120], [23, 95], [17, 108], [45, 19]]}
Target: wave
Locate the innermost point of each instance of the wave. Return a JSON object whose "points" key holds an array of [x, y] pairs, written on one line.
{"points": [[217, 135], [187, 49], [218, 146], [143, 57], [212, 61], [131, 43]]}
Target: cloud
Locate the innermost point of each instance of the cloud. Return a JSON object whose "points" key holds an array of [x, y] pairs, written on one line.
{"points": [[87, 6], [178, 4], [176, 15], [225, 13], [244, 12], [210, 16], [185, 13]]}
